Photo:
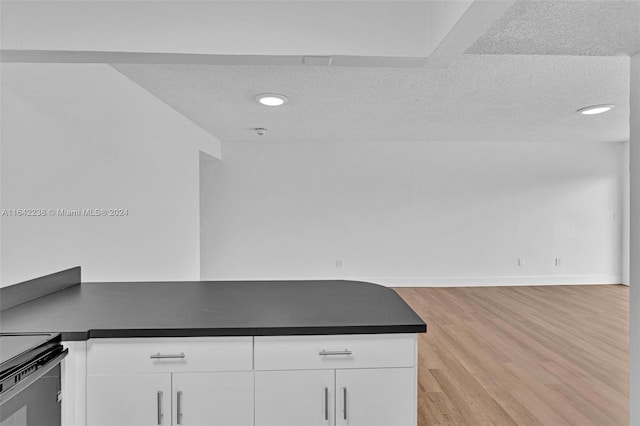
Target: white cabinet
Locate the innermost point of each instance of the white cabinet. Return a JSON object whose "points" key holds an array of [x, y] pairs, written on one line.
{"points": [[294, 398], [353, 397], [179, 399], [169, 355], [224, 399], [334, 352], [368, 380], [170, 382], [129, 399], [376, 397], [340, 380]]}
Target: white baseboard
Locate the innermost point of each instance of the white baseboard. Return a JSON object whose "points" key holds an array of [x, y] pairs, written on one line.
{"points": [[501, 280], [497, 281]]}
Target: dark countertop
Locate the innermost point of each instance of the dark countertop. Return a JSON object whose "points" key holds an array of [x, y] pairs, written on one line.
{"points": [[214, 308]]}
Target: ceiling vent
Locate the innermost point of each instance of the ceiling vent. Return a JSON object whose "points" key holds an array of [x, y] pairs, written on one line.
{"points": [[317, 61]]}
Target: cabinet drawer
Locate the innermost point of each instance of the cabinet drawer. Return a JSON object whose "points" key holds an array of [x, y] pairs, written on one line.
{"points": [[152, 355], [329, 352]]}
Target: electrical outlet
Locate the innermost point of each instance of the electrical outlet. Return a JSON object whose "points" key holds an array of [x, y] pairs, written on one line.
{"points": [[339, 264], [520, 262], [558, 261]]}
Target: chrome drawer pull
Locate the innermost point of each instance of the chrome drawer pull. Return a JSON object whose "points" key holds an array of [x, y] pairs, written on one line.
{"points": [[167, 356], [345, 352]]}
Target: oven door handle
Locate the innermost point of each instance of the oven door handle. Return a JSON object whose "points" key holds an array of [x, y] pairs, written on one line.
{"points": [[33, 377]]}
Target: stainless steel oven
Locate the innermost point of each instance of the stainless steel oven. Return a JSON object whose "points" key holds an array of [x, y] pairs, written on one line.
{"points": [[30, 379]]}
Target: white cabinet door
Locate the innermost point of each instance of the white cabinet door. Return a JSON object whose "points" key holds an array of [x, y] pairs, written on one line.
{"points": [[213, 399], [376, 397], [295, 398], [129, 399]]}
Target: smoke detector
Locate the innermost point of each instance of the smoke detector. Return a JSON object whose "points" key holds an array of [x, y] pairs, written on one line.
{"points": [[261, 131]]}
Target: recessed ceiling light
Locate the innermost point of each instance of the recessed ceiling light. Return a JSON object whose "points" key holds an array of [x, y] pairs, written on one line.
{"points": [[595, 109], [271, 99]]}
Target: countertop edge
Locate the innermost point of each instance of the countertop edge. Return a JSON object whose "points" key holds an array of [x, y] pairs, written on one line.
{"points": [[217, 332]]}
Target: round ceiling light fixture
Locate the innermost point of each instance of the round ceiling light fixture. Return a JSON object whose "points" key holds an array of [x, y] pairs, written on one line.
{"points": [[596, 109], [271, 99]]}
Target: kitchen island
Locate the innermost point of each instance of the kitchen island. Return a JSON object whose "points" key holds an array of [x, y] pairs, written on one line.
{"points": [[231, 353]]}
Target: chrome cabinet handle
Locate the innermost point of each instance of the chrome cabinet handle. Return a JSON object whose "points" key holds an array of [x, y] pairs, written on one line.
{"points": [[345, 352], [160, 407], [326, 403], [167, 356], [179, 407], [344, 402]]}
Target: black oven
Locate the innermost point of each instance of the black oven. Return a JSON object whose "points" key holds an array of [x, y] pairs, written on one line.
{"points": [[30, 379]]}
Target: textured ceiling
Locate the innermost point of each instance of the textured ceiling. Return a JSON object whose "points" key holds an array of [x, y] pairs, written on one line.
{"points": [[524, 80], [480, 97], [591, 28]]}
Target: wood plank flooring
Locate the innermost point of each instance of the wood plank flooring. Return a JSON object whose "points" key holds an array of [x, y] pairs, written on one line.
{"points": [[549, 355]]}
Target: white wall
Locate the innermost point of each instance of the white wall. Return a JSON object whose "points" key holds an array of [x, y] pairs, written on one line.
{"points": [[211, 195], [626, 237], [408, 213], [634, 309], [84, 136]]}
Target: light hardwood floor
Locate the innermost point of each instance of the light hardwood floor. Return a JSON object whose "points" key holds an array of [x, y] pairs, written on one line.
{"points": [[552, 355]]}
